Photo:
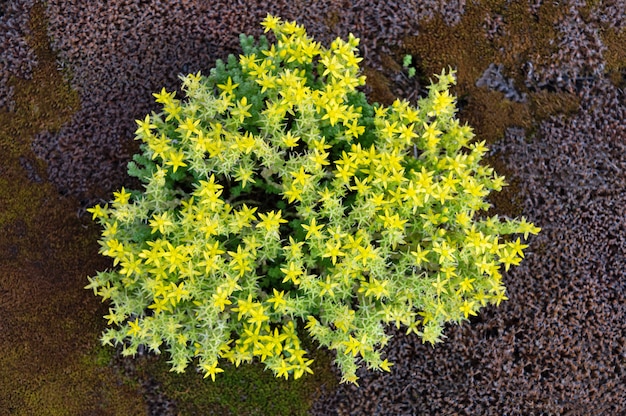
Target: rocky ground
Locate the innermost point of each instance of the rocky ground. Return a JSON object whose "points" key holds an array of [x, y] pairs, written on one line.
{"points": [[543, 82]]}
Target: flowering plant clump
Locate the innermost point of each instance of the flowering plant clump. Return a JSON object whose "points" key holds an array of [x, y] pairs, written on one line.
{"points": [[274, 195]]}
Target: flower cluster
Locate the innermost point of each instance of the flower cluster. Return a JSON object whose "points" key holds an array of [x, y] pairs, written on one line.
{"points": [[275, 195]]}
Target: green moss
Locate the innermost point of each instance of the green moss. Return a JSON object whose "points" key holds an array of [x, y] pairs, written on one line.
{"points": [[246, 390], [99, 355]]}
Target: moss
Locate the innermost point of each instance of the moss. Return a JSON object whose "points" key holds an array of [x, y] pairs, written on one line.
{"points": [[543, 104], [467, 47], [246, 390], [507, 201], [50, 324], [615, 55], [378, 85], [490, 115]]}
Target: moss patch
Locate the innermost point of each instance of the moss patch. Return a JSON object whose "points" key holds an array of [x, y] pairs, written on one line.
{"points": [[50, 324], [246, 390], [615, 55], [492, 32]]}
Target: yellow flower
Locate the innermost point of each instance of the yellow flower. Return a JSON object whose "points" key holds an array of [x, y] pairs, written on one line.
{"points": [[98, 211], [270, 221], [267, 82], [289, 140], [211, 370], [292, 28], [440, 285], [113, 317], [351, 60], [244, 143], [220, 299], [283, 369], [477, 240], [271, 23], [300, 177], [442, 103], [244, 216], [228, 88], [175, 159], [164, 97], [351, 378], [392, 221], [308, 50], [209, 188], [173, 111], [177, 256], [333, 66], [445, 251], [366, 253], [248, 61], [356, 346], [293, 194], [527, 228], [177, 293], [130, 265], [354, 130], [161, 222], [468, 309], [463, 219], [160, 147], [241, 110], [431, 135], [509, 258], [265, 350], [319, 158], [159, 305], [189, 127], [389, 130], [374, 287], [499, 296], [278, 300], [244, 175], [274, 341], [517, 247], [327, 287], [257, 315], [292, 273], [361, 186], [466, 285], [240, 261], [385, 365], [134, 328], [333, 250], [145, 127], [122, 197], [252, 335], [244, 306], [334, 112], [304, 366], [294, 248]]}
